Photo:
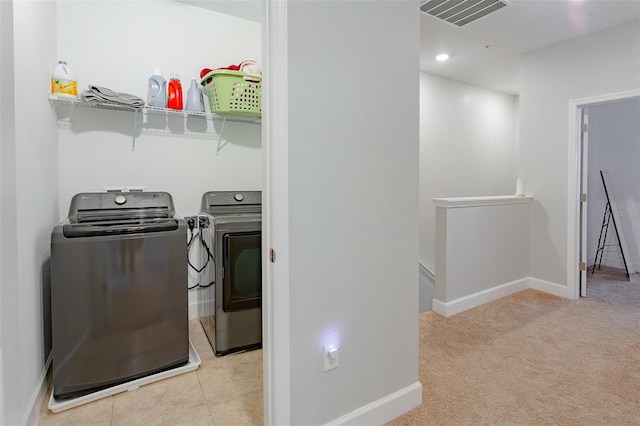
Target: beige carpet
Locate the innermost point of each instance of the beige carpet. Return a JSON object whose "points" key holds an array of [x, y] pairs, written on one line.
{"points": [[532, 359], [611, 285]]}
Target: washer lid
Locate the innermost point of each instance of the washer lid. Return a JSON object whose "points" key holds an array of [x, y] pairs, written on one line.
{"points": [[98, 229]]}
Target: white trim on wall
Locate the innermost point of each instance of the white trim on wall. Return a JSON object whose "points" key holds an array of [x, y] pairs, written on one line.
{"points": [[198, 306], [427, 272], [384, 409], [493, 200], [549, 287], [613, 260], [1, 388], [465, 303], [573, 178], [462, 304], [275, 217], [37, 397]]}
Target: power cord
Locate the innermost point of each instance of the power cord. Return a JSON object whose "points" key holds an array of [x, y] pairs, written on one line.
{"points": [[197, 236]]}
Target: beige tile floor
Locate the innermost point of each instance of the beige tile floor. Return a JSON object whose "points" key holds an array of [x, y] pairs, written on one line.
{"points": [[222, 391]]}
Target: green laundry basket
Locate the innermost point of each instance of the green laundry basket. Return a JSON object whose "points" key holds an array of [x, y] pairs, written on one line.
{"points": [[230, 93]]}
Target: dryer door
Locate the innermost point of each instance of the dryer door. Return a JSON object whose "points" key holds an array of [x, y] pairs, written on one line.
{"points": [[242, 273]]}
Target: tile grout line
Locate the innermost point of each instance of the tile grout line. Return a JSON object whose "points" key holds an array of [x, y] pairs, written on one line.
{"points": [[204, 395]]}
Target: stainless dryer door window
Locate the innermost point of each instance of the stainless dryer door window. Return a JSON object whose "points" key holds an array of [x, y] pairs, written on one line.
{"points": [[242, 263]]}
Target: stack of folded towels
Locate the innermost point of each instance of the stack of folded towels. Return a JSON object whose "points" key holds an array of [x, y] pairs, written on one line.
{"points": [[97, 94], [248, 67]]}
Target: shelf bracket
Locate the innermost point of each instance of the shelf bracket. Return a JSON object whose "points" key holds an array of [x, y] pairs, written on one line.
{"points": [[224, 120], [135, 126]]}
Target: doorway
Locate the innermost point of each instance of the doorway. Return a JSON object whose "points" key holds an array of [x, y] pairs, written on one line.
{"points": [[590, 151]]}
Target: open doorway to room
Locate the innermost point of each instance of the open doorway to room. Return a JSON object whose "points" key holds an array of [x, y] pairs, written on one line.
{"points": [[608, 144]]}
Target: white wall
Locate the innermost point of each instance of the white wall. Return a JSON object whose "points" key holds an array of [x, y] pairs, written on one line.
{"points": [[468, 146], [96, 146], [614, 145], [601, 63], [96, 151], [39, 175], [353, 203], [483, 250], [36, 173], [29, 209], [7, 185]]}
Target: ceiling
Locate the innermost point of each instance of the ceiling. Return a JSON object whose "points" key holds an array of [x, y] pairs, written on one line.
{"points": [[245, 9], [486, 52]]}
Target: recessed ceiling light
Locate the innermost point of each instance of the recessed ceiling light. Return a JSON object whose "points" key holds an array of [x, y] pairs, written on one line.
{"points": [[442, 57]]}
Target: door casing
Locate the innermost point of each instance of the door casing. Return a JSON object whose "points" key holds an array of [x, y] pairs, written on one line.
{"points": [[574, 226]]}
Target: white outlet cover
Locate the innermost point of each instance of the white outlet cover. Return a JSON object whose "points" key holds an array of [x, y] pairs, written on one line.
{"points": [[330, 357]]}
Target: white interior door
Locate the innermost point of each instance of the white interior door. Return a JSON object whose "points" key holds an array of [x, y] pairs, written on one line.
{"points": [[584, 147]]}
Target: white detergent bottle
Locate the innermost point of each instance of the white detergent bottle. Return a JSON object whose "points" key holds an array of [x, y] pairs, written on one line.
{"points": [[195, 102], [157, 94], [62, 81]]}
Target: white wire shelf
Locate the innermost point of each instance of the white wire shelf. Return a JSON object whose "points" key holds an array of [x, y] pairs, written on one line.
{"points": [[77, 102], [144, 119]]}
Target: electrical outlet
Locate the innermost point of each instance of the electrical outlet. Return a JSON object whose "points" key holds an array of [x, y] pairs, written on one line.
{"points": [[191, 221], [203, 221], [330, 357]]}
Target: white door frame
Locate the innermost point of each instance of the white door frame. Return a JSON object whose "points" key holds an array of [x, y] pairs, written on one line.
{"points": [[573, 211], [583, 170], [275, 215]]}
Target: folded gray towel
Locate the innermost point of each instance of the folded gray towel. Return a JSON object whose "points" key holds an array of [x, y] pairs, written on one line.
{"points": [[97, 94]]}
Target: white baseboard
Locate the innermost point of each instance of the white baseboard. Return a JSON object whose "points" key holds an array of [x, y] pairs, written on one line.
{"points": [[480, 298], [2, 420], [384, 409], [615, 261], [198, 308], [439, 307], [549, 287], [194, 308], [37, 398], [461, 304]]}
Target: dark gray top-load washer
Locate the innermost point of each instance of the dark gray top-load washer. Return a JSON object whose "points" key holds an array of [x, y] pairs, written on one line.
{"points": [[118, 291]]}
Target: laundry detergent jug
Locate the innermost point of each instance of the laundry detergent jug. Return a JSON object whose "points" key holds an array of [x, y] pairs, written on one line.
{"points": [[157, 94], [62, 82], [174, 99], [195, 100]]}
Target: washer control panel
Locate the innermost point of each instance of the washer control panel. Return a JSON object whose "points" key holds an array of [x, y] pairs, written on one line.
{"points": [[90, 202], [231, 202]]}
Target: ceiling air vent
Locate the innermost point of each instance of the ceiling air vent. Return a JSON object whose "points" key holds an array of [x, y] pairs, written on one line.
{"points": [[461, 12]]}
